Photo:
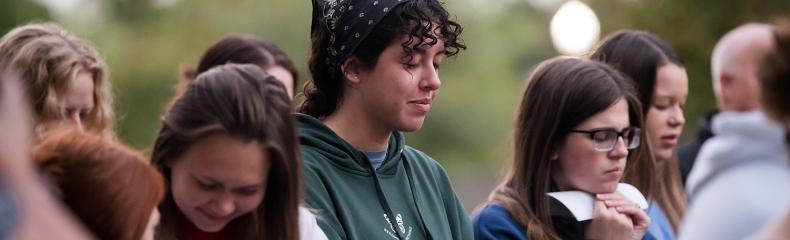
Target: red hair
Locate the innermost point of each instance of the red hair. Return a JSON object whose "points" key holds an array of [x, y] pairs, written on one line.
{"points": [[109, 186]]}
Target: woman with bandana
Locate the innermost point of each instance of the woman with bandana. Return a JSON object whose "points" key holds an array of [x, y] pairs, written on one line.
{"points": [[375, 72]]}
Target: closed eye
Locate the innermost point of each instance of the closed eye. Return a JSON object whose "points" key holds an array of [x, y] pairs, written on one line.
{"points": [[208, 186], [247, 191]]}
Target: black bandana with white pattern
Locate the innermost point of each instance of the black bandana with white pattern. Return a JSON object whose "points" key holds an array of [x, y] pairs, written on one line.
{"points": [[348, 22]]}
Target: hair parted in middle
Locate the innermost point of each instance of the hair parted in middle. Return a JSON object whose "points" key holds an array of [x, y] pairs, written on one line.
{"points": [[561, 93], [244, 102]]}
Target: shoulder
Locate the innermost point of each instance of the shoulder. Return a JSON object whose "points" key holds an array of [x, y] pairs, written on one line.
{"points": [[745, 210], [495, 222], [424, 167], [311, 155], [422, 161]]}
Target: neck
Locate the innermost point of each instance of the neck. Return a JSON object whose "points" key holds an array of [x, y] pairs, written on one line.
{"points": [[358, 129]]}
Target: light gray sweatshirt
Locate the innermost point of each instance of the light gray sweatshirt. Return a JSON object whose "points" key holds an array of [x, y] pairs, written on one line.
{"points": [[741, 179]]}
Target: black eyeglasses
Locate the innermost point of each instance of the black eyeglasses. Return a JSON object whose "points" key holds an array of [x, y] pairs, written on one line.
{"points": [[603, 140]]}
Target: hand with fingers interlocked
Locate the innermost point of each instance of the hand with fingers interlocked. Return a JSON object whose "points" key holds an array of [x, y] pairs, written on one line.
{"points": [[616, 217]]}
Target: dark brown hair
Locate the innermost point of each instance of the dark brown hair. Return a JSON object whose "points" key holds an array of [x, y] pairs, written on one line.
{"points": [[638, 55], [561, 94], [415, 18], [774, 75], [109, 186], [243, 49], [247, 104]]}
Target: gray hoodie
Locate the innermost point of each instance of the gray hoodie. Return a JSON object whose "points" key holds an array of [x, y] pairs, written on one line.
{"points": [[741, 179]]}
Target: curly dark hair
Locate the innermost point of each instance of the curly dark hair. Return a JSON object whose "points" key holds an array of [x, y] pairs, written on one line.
{"points": [[418, 19]]}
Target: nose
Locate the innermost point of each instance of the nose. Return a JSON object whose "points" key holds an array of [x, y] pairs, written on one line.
{"points": [[224, 205], [620, 150], [676, 118], [75, 120], [430, 78]]}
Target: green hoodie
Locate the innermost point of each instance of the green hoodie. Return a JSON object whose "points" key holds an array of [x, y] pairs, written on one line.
{"points": [[353, 202]]}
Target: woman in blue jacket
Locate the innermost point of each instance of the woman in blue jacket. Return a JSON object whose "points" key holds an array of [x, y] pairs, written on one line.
{"points": [[577, 127]]}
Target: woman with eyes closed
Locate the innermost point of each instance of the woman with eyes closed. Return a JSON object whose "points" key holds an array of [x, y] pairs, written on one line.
{"points": [[227, 149], [374, 73], [64, 77], [577, 129], [662, 84]]}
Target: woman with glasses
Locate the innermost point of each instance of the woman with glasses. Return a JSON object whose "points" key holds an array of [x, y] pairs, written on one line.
{"points": [[660, 77], [577, 127]]}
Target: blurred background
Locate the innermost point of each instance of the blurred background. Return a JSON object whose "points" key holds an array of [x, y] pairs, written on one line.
{"points": [[147, 42]]}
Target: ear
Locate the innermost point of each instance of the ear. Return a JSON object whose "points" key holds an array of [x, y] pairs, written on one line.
{"points": [[352, 68], [726, 85]]}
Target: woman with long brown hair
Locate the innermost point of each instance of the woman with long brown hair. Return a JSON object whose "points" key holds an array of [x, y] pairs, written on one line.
{"points": [[660, 78], [227, 149], [577, 129]]}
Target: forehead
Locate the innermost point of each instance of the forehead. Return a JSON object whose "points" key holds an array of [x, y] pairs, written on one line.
{"points": [[79, 91], [671, 79], [224, 158], [615, 116]]}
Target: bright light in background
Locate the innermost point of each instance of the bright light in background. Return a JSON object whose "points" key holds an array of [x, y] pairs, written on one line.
{"points": [[574, 28], [60, 7], [164, 3], [85, 14]]}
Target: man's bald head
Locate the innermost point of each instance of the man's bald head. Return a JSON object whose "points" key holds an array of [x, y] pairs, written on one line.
{"points": [[734, 66]]}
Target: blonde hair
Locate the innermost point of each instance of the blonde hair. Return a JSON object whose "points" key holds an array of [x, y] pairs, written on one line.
{"points": [[48, 57]]}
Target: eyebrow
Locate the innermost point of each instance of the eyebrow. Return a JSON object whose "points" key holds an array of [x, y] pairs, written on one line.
{"points": [[260, 185], [610, 128], [218, 182]]}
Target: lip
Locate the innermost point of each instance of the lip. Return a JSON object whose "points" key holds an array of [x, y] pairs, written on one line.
{"points": [[211, 217], [614, 169], [422, 105], [669, 140], [615, 172]]}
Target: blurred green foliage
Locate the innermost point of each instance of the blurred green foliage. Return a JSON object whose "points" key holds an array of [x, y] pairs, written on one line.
{"points": [[147, 45]]}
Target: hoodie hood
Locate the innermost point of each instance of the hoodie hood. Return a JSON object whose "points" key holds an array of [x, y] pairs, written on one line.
{"points": [[740, 138], [317, 137]]}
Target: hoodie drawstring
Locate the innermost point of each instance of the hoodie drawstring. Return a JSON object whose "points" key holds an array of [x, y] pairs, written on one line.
{"points": [[383, 200]]}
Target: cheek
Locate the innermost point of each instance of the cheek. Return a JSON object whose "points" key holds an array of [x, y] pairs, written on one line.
{"points": [[577, 171], [187, 194], [247, 204], [655, 122], [575, 162]]}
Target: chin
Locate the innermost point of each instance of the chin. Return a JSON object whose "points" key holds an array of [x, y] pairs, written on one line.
{"points": [[607, 188], [410, 126], [211, 228], [664, 155], [208, 227]]}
